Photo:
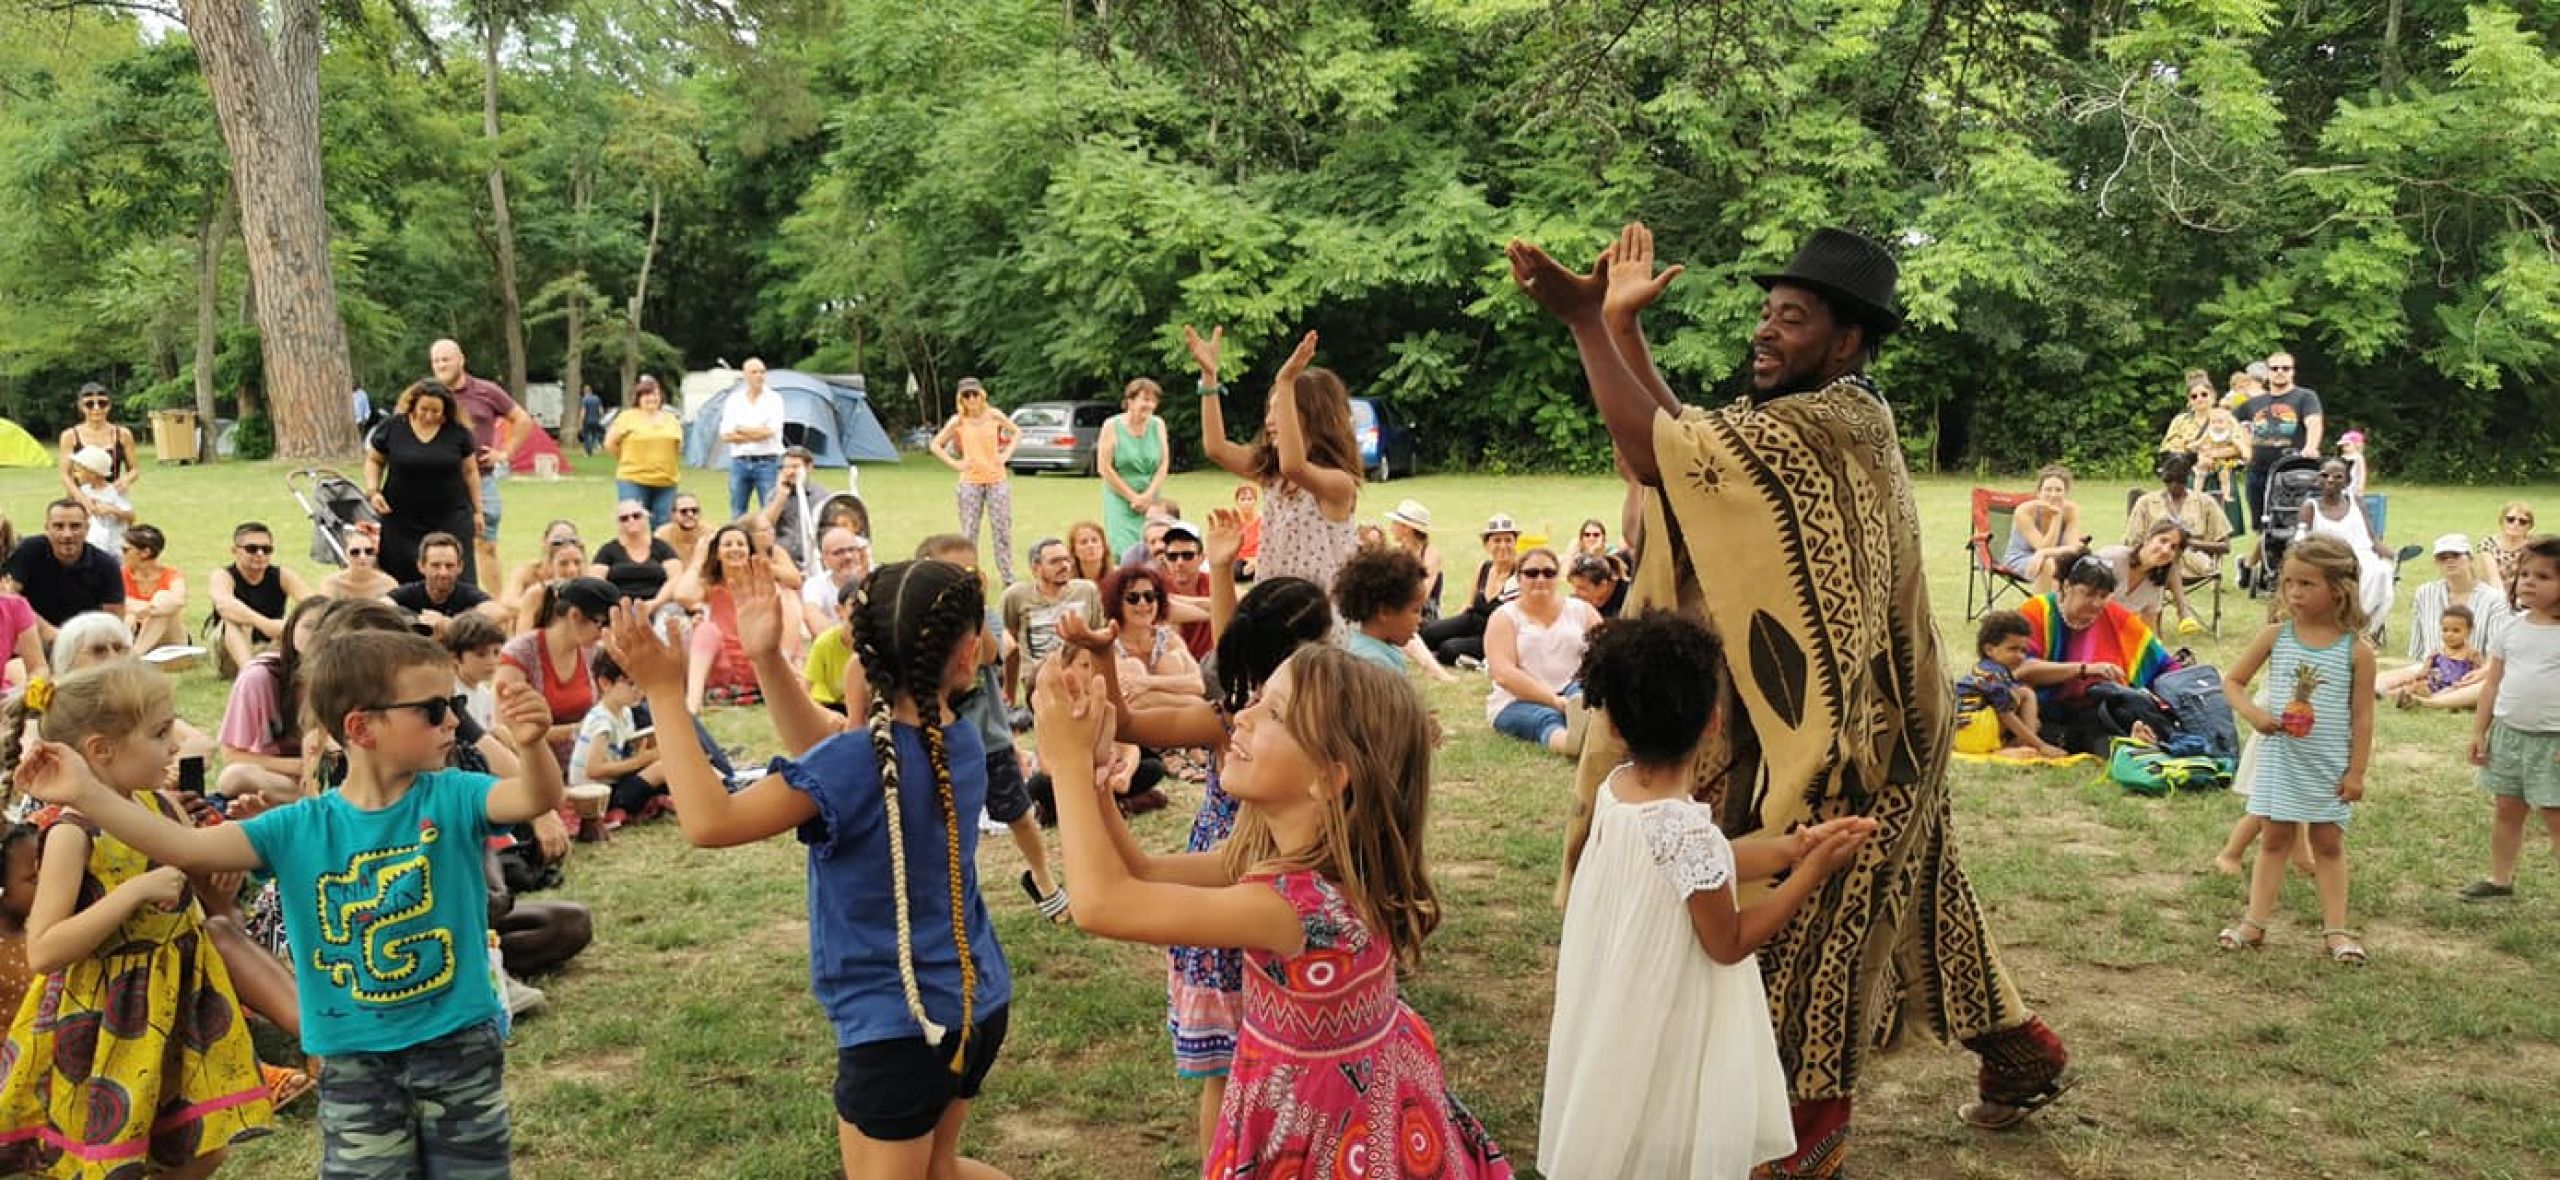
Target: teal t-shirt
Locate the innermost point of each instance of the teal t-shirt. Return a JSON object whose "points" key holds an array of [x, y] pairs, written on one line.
{"points": [[387, 912], [1377, 651]]}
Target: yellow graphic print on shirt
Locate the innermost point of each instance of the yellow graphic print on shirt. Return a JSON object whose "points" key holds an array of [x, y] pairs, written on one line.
{"points": [[376, 939]]}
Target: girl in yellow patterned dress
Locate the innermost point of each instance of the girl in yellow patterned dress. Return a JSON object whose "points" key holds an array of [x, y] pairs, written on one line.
{"points": [[131, 1056]]}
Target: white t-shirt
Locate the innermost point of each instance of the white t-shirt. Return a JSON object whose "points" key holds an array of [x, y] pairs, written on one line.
{"points": [[742, 411], [612, 727], [107, 532], [2529, 689], [820, 591]]}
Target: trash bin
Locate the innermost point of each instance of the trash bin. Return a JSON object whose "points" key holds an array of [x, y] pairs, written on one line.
{"points": [[173, 435]]}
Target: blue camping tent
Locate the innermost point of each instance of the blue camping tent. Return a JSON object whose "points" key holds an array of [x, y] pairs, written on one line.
{"points": [[829, 415]]}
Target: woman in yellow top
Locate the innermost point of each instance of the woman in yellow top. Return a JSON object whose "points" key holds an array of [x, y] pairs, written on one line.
{"points": [[978, 442], [646, 442]]}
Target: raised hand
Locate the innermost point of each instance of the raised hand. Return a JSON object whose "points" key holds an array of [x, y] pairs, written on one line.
{"points": [[1224, 539], [1073, 629], [523, 715], [1567, 296], [1299, 358], [1070, 710], [646, 656], [759, 609], [1632, 284], [1204, 353]]}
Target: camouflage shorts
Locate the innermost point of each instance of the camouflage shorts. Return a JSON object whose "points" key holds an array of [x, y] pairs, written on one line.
{"points": [[437, 1109]]}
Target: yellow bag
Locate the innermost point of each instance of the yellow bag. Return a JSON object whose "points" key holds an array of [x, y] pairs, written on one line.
{"points": [[1978, 732]]}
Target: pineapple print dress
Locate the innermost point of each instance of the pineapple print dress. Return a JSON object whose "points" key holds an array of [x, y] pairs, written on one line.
{"points": [[137, 1057], [2296, 778]]}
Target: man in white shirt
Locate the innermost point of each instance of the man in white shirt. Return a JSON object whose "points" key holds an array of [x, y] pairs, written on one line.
{"points": [[1032, 607], [844, 558], [2461, 584], [751, 425]]}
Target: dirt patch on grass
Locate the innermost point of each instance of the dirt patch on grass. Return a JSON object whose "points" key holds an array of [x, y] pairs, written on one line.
{"points": [[598, 1069]]}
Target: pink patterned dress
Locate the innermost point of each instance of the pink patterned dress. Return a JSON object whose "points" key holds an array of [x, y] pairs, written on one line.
{"points": [[1297, 541], [1334, 1075]]}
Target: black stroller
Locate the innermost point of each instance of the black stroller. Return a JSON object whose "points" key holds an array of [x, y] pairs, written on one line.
{"points": [[2291, 483], [335, 504]]}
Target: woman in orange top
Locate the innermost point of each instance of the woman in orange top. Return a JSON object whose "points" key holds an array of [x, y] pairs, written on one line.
{"points": [[155, 595], [978, 442]]}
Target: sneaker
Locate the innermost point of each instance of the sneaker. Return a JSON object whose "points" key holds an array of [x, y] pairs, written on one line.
{"points": [[522, 997], [1470, 663], [2486, 891], [614, 818]]}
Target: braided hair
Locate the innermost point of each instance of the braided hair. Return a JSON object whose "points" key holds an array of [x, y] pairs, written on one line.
{"points": [[1272, 621], [910, 618]]}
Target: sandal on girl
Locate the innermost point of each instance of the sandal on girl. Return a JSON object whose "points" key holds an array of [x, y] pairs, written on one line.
{"points": [[284, 1085], [1052, 907], [2344, 950], [2248, 935], [1985, 1114]]}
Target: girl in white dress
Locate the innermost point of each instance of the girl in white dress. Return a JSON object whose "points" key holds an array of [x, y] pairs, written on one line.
{"points": [[1661, 1062]]}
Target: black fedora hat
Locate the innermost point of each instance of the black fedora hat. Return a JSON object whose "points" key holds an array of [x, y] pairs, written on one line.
{"points": [[1850, 269]]}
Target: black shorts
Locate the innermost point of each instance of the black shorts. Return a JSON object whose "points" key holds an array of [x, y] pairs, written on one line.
{"points": [[894, 1091], [1007, 798]]}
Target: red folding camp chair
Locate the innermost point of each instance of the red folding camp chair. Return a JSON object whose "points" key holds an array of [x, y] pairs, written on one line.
{"points": [[1986, 581]]}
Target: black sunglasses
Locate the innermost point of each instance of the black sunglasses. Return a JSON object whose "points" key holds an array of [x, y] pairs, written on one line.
{"points": [[1181, 555], [434, 709], [1544, 571], [360, 552], [632, 516], [1135, 597], [688, 511], [2523, 520], [91, 403], [258, 549]]}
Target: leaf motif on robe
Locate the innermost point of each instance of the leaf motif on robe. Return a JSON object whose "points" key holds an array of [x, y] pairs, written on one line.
{"points": [[1778, 667]]}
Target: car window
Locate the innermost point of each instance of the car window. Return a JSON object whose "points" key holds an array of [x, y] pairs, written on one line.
{"points": [[1094, 415], [1363, 413], [1040, 417]]}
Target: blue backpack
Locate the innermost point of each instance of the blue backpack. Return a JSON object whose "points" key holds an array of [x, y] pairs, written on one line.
{"points": [[2192, 693]]}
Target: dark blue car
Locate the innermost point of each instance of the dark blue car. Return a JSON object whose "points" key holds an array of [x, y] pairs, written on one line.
{"points": [[1386, 445]]}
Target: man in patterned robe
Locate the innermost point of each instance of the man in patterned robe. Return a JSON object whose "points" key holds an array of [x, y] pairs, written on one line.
{"points": [[1786, 522]]}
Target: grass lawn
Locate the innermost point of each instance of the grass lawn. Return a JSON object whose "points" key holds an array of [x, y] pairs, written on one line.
{"points": [[685, 1044]]}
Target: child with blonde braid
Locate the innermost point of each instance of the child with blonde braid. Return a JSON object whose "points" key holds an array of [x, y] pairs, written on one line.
{"points": [[919, 1002], [171, 1079]]}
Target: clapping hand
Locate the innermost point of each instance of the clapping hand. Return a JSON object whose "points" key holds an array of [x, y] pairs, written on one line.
{"points": [[1632, 285], [1204, 353], [1837, 845], [1073, 629], [647, 657], [1070, 710], [1299, 358], [759, 608], [1567, 296], [523, 715], [1225, 538]]}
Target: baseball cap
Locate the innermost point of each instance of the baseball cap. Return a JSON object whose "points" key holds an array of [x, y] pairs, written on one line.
{"points": [[1181, 528], [2452, 543]]}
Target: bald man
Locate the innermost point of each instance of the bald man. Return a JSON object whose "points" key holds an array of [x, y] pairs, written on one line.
{"points": [[499, 426]]}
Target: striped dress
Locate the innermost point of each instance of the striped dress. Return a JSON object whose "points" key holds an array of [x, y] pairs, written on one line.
{"points": [[2296, 778]]}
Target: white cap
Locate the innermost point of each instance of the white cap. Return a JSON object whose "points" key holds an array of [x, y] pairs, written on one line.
{"points": [[2452, 543]]}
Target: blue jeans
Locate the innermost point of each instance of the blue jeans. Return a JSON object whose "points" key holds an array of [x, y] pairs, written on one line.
{"points": [[490, 507], [661, 502], [752, 476], [1532, 722]]}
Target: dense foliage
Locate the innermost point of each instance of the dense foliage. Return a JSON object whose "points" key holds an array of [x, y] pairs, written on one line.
{"points": [[2088, 199]]}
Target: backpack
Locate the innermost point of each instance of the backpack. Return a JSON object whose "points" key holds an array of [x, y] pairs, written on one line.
{"points": [[2192, 693], [2152, 771]]}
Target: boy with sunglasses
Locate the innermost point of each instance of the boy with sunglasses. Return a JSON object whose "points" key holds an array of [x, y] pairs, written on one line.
{"points": [[385, 901], [252, 595]]}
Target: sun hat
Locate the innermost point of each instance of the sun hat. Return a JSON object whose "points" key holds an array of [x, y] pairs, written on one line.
{"points": [[2452, 543], [1499, 522], [1413, 515], [98, 462]]}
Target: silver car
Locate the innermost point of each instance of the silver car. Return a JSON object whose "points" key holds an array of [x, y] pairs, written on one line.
{"points": [[1059, 436]]}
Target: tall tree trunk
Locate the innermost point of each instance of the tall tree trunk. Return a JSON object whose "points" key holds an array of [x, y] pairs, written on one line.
{"points": [[640, 290], [266, 95], [510, 307], [573, 367], [217, 226], [2392, 72]]}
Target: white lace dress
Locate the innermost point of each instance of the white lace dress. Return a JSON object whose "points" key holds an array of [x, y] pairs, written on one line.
{"points": [[1660, 1061]]}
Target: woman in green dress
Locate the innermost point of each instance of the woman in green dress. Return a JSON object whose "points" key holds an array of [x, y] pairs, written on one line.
{"points": [[1133, 460]]}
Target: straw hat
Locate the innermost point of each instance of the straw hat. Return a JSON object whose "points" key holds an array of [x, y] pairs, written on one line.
{"points": [[1499, 522], [1411, 514], [99, 463]]}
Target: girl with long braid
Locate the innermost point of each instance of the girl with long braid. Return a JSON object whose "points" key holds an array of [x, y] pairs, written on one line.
{"points": [[888, 811]]}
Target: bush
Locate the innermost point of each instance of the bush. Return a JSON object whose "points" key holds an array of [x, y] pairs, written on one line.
{"points": [[256, 438]]}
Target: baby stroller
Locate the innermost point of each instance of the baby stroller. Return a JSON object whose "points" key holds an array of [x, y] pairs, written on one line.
{"points": [[2291, 483], [335, 505]]}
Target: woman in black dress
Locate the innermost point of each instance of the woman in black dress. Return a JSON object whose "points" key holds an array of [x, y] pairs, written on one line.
{"points": [[423, 470]]}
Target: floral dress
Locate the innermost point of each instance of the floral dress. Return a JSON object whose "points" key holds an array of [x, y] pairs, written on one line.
{"points": [[1335, 1076], [1204, 986], [1297, 541], [137, 1055]]}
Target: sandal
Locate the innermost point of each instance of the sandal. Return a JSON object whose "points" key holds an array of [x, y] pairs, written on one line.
{"points": [[284, 1085], [1985, 1114], [1052, 907], [2248, 935], [2344, 950]]}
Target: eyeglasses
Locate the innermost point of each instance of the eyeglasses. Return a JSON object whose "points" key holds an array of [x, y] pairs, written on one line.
{"points": [[360, 552], [1182, 555], [1544, 571], [631, 516], [2522, 520], [843, 551], [1594, 535], [1140, 597], [94, 403], [433, 709], [688, 511], [2279, 368], [260, 550]]}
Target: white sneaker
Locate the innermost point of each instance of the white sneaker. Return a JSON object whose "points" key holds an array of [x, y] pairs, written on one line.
{"points": [[522, 997], [1471, 664]]}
